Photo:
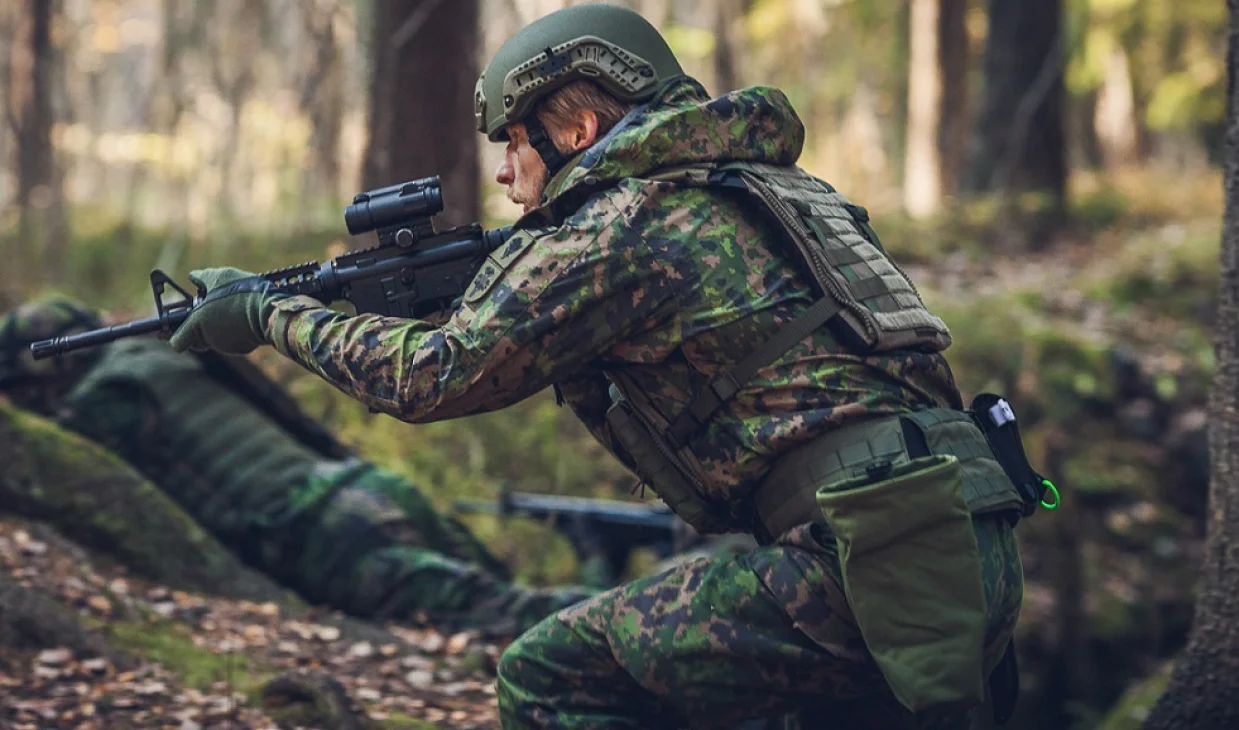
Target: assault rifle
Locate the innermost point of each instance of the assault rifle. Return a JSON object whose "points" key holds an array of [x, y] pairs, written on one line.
{"points": [[603, 529], [413, 272]]}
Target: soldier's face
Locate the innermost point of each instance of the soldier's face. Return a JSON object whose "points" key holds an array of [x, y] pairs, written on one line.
{"points": [[522, 169]]}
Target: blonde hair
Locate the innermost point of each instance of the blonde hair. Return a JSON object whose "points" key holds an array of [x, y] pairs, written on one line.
{"points": [[558, 111]]}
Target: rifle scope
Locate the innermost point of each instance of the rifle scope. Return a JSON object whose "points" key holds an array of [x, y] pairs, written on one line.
{"points": [[394, 205]]}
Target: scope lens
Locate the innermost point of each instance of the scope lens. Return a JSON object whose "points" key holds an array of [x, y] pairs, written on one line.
{"points": [[357, 218], [394, 205]]}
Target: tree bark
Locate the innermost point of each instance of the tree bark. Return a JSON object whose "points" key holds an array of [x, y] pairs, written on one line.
{"points": [[421, 100], [1205, 684], [31, 64], [953, 58], [1019, 141]]}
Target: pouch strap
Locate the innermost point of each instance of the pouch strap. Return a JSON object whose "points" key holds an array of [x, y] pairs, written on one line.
{"points": [[786, 497]]}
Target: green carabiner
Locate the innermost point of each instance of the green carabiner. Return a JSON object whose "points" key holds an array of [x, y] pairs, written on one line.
{"points": [[1049, 485]]}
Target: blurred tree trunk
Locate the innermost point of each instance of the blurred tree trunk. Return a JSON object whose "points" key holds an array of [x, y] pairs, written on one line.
{"points": [[240, 29], [425, 67], [938, 59], [1205, 684], [42, 224], [727, 13], [953, 57], [1114, 117], [1019, 142], [323, 99]]}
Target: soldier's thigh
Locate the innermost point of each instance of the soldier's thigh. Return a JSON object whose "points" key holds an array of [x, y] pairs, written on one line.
{"points": [[714, 640]]}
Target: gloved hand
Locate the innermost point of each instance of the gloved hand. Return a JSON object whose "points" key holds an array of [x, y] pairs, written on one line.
{"points": [[230, 318]]}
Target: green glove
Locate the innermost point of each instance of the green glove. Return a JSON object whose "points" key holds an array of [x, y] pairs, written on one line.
{"points": [[230, 318]]}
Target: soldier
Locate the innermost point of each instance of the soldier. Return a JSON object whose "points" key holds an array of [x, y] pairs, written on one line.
{"points": [[232, 449], [732, 329]]}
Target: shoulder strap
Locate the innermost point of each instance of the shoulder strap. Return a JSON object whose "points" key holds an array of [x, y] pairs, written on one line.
{"points": [[722, 388]]}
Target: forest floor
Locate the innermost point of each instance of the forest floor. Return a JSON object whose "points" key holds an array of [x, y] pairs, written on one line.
{"points": [[192, 662]]}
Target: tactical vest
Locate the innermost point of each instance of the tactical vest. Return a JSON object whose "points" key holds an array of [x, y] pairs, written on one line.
{"points": [[222, 459], [864, 295], [878, 304]]}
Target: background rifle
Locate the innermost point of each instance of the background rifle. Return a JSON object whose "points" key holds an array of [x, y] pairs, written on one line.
{"points": [[413, 272], [599, 530]]}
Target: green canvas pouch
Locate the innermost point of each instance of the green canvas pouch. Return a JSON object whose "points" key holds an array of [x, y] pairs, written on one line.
{"points": [[912, 574]]}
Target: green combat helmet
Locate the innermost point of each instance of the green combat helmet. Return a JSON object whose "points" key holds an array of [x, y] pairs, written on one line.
{"points": [[41, 319], [612, 46]]}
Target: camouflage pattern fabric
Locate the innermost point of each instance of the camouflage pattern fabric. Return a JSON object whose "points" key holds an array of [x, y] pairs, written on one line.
{"points": [[662, 288], [715, 641], [659, 285], [347, 534]]}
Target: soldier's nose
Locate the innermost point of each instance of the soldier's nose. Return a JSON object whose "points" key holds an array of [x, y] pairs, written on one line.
{"points": [[505, 175]]}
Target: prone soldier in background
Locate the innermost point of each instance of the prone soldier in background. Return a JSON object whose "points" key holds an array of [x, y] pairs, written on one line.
{"points": [[237, 453]]}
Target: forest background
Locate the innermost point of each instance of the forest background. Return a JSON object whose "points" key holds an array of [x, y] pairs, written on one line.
{"points": [[1049, 170]]}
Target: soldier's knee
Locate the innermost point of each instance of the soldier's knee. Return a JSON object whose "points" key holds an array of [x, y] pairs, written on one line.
{"points": [[518, 661], [529, 669], [517, 681]]}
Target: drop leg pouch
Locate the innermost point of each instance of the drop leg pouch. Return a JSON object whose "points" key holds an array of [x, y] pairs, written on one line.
{"points": [[912, 574]]}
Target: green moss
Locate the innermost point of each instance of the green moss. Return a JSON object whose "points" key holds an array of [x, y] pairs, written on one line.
{"points": [[170, 645], [1172, 272], [401, 721], [1134, 706], [84, 490], [1115, 618]]}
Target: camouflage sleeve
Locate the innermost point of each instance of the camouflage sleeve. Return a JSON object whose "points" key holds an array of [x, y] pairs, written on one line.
{"points": [[542, 306]]}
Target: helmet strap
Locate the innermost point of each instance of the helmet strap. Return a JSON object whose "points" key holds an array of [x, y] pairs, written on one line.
{"points": [[542, 144]]}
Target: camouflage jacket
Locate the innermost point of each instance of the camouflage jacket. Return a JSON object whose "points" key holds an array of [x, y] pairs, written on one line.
{"points": [[664, 286]]}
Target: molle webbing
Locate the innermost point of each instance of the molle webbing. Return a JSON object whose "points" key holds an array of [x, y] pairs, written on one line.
{"points": [[880, 305], [986, 485], [787, 495], [209, 449]]}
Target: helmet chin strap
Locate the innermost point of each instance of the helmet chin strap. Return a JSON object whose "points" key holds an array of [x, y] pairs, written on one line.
{"points": [[541, 142]]}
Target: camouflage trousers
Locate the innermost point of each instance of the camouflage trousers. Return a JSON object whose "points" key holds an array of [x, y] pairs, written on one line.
{"points": [[375, 547], [716, 641]]}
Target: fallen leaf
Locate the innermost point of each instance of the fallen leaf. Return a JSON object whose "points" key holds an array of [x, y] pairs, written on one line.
{"points": [[55, 657], [458, 643], [433, 643]]}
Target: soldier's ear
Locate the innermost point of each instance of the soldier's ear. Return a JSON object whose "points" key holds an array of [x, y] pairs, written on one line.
{"points": [[584, 130]]}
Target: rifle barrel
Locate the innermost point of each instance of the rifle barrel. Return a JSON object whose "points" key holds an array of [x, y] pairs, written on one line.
{"points": [[69, 343]]}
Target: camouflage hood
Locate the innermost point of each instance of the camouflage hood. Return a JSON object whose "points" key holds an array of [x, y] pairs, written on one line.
{"points": [[682, 125]]}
